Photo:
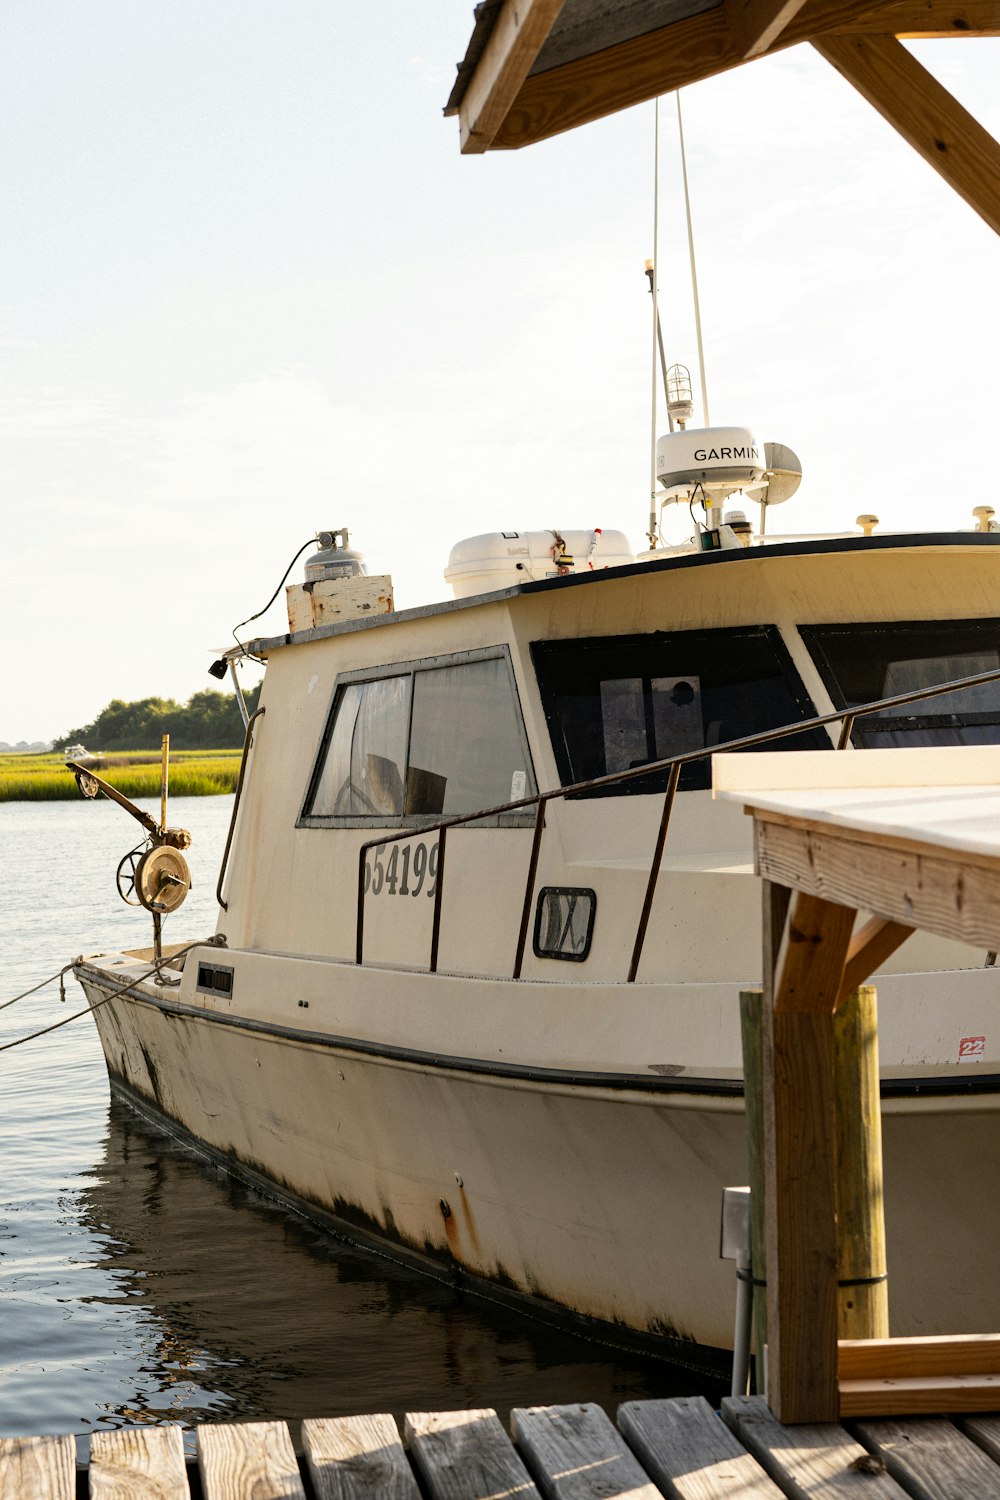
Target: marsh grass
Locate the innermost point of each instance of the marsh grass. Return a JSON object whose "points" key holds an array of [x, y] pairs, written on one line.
{"points": [[193, 773]]}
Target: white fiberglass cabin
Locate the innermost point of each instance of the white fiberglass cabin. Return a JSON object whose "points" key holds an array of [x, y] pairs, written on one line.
{"points": [[498, 1046]]}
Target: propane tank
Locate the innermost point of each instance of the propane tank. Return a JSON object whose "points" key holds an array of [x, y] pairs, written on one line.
{"points": [[335, 559]]}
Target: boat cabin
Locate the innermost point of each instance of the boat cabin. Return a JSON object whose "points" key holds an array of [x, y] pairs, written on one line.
{"points": [[395, 722]]}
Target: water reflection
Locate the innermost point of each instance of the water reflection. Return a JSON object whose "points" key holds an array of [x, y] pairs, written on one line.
{"points": [[248, 1311]]}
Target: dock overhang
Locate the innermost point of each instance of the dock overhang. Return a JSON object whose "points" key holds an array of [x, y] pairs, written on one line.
{"points": [[536, 68]]}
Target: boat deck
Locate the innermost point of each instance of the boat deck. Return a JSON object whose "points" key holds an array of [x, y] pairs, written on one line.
{"points": [[677, 1447]]}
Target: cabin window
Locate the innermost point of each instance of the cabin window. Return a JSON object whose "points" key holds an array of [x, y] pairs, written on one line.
{"points": [[435, 739], [620, 702], [364, 769], [859, 663]]}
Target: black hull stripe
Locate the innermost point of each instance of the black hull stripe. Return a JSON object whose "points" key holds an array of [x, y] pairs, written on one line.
{"points": [[937, 1086]]}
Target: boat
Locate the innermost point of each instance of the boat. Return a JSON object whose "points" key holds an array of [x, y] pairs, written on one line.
{"points": [[473, 995], [454, 1019]]}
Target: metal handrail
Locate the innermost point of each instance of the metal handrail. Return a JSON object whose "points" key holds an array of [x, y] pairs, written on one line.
{"points": [[247, 742], [674, 764]]}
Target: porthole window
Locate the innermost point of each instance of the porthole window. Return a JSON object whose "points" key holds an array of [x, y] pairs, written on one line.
{"points": [[564, 922]]}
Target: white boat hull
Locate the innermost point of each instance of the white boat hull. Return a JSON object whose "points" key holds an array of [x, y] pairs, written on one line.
{"points": [[597, 1199]]}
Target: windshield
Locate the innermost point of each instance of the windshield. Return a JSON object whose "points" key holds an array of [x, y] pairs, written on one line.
{"points": [[859, 663], [619, 702]]}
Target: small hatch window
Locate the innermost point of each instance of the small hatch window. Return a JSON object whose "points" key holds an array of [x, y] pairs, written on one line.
{"points": [[859, 663], [564, 923], [620, 702], [436, 739]]}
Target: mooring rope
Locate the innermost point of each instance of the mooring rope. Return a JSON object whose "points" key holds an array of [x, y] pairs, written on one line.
{"points": [[59, 974], [215, 941]]}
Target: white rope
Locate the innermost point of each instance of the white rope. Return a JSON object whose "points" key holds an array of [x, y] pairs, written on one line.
{"points": [[210, 942], [41, 984]]}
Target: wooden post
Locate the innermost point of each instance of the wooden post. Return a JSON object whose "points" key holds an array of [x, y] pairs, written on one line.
{"points": [[752, 1031], [863, 1298], [801, 1159], [164, 777]]}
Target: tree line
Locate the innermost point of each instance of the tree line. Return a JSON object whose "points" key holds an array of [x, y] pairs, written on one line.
{"points": [[208, 721]]}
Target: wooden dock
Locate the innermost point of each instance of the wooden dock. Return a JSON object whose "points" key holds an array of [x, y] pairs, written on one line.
{"points": [[678, 1447]]}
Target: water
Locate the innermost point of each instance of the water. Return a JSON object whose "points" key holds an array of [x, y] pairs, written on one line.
{"points": [[141, 1284]]}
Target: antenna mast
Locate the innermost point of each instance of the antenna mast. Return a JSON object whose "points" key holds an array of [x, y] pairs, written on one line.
{"points": [[652, 271]]}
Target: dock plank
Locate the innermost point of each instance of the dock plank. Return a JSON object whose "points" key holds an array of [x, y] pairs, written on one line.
{"points": [[466, 1455], [817, 1461], [138, 1461], [357, 1458], [985, 1431], [931, 1459], [575, 1453], [690, 1453], [37, 1468], [252, 1459]]}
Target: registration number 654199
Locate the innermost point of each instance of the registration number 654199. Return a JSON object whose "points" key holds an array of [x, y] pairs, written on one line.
{"points": [[402, 870]]}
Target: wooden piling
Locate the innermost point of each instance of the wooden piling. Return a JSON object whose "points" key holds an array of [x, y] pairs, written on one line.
{"points": [[863, 1292], [752, 1031]]}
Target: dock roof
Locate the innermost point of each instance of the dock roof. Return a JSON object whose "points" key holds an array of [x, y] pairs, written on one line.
{"points": [[536, 68]]}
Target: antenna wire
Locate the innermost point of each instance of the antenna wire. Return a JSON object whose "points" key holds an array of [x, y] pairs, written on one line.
{"points": [[694, 273], [654, 288]]}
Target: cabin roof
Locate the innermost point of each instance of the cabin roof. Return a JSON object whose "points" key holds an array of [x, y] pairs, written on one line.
{"points": [[807, 547], [535, 68]]}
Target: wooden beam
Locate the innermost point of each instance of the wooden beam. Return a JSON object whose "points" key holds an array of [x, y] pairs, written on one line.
{"points": [[600, 83], [801, 1209], [800, 1162], [912, 884], [870, 946], [863, 1291], [940, 1354], [775, 901], [930, 18], [924, 113], [753, 1024], [915, 1395], [757, 24], [810, 964], [515, 41]]}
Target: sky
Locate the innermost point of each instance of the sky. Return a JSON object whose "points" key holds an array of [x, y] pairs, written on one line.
{"points": [[249, 289]]}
